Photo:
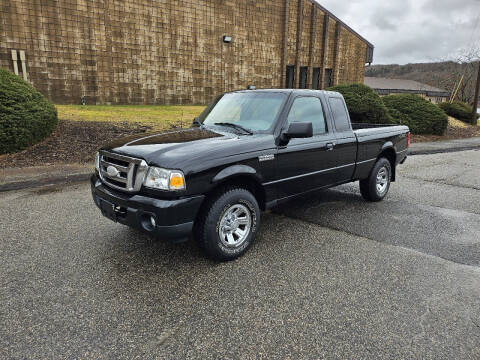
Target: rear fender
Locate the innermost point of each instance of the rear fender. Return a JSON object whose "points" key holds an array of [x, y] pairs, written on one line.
{"points": [[389, 152], [388, 145]]}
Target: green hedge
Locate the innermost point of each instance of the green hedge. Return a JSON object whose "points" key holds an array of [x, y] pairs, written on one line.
{"points": [[399, 118], [364, 104], [458, 110], [26, 117], [420, 115]]}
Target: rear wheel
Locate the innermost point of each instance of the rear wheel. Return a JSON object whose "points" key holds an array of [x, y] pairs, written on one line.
{"points": [[376, 186], [228, 224]]}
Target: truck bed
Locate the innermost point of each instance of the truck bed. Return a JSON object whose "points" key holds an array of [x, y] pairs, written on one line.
{"points": [[363, 129], [371, 141]]}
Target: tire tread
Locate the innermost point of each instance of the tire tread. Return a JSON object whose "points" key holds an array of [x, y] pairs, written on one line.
{"points": [[368, 185], [203, 220]]}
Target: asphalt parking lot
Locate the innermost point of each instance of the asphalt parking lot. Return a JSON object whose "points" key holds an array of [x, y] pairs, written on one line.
{"points": [[330, 276]]}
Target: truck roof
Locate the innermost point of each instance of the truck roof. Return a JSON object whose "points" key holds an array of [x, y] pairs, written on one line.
{"points": [[288, 91]]}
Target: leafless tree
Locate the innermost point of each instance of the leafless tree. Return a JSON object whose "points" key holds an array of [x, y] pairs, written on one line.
{"points": [[467, 71]]}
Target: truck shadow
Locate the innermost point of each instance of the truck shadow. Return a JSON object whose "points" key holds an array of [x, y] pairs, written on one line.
{"points": [[140, 249], [138, 263], [345, 196]]}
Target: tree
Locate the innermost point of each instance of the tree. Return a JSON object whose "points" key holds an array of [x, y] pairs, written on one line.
{"points": [[466, 89], [475, 98]]}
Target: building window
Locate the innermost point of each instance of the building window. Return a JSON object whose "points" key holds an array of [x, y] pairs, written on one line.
{"points": [[328, 78], [19, 63], [316, 79], [15, 61], [303, 77], [290, 78], [369, 55]]}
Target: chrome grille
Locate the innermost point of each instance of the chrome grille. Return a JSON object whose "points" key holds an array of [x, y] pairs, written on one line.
{"points": [[122, 172]]}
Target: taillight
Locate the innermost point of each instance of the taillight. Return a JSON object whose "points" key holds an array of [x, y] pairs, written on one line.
{"points": [[408, 140]]}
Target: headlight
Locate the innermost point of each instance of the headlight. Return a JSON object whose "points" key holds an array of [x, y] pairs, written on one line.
{"points": [[163, 179], [97, 161]]}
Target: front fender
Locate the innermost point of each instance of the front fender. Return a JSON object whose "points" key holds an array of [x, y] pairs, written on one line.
{"points": [[236, 170]]}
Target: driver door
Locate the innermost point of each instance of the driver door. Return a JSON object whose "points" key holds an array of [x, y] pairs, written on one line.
{"points": [[306, 164]]}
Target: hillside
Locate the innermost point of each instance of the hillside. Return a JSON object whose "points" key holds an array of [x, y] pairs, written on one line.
{"points": [[442, 75]]}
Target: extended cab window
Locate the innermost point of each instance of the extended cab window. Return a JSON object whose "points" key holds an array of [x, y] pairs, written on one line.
{"points": [[308, 109], [340, 115]]}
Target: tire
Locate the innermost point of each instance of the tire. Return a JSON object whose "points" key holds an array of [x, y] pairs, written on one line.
{"points": [[218, 230], [373, 190]]}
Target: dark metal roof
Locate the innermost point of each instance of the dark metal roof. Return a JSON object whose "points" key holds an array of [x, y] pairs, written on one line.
{"points": [[287, 91], [385, 86], [343, 23]]}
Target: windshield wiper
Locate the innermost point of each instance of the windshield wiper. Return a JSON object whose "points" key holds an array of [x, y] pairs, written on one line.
{"points": [[235, 126]]}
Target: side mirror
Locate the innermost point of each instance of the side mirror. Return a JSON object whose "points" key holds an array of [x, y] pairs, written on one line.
{"points": [[299, 130], [196, 122]]}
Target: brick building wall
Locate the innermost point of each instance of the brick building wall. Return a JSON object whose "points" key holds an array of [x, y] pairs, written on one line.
{"points": [[172, 51]]}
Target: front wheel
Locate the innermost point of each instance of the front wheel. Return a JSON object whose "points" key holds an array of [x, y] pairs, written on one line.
{"points": [[376, 186], [228, 224]]}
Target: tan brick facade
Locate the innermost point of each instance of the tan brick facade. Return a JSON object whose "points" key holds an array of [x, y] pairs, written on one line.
{"points": [[172, 51]]}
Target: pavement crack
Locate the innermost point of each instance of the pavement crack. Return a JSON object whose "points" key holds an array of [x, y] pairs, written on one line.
{"points": [[419, 251], [475, 323], [421, 323], [165, 336], [471, 187], [470, 212]]}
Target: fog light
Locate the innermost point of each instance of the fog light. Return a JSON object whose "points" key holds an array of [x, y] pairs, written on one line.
{"points": [[153, 222]]}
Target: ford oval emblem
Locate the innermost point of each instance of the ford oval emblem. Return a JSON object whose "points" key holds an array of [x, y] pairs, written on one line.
{"points": [[112, 171]]}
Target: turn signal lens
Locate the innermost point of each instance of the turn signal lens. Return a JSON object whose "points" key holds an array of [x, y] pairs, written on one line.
{"points": [[177, 182]]}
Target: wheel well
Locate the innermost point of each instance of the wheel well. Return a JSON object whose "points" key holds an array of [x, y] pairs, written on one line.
{"points": [[243, 181], [391, 156]]}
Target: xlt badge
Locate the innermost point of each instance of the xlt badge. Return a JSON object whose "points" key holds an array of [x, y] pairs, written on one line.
{"points": [[266, 157]]}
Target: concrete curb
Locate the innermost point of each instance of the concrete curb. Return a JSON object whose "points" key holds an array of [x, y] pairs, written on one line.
{"points": [[440, 151], [445, 146], [50, 180]]}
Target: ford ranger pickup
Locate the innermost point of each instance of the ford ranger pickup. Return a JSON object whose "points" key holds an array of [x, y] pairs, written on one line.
{"points": [[247, 152]]}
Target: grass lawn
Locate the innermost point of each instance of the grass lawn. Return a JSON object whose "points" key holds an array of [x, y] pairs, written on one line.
{"points": [[156, 116]]}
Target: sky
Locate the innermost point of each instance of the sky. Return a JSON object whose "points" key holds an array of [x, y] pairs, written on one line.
{"points": [[410, 31]]}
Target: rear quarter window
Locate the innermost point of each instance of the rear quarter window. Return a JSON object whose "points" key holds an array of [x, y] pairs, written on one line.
{"points": [[340, 115]]}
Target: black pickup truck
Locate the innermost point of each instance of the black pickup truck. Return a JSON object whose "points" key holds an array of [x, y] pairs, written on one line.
{"points": [[247, 152]]}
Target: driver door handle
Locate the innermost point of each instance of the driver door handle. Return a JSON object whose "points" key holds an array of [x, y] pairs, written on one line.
{"points": [[330, 146]]}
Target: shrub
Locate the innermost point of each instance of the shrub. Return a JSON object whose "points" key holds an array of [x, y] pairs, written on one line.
{"points": [[364, 104], [398, 117], [458, 110], [422, 116], [26, 117]]}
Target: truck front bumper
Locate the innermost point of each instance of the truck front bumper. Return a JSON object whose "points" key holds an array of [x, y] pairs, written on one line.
{"points": [[171, 219]]}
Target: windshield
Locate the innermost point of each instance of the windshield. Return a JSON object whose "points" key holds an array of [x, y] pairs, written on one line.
{"points": [[252, 111]]}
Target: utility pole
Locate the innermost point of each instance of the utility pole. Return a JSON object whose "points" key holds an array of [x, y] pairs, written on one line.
{"points": [[475, 99]]}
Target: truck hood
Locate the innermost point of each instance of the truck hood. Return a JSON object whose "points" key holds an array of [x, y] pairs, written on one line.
{"points": [[184, 149]]}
